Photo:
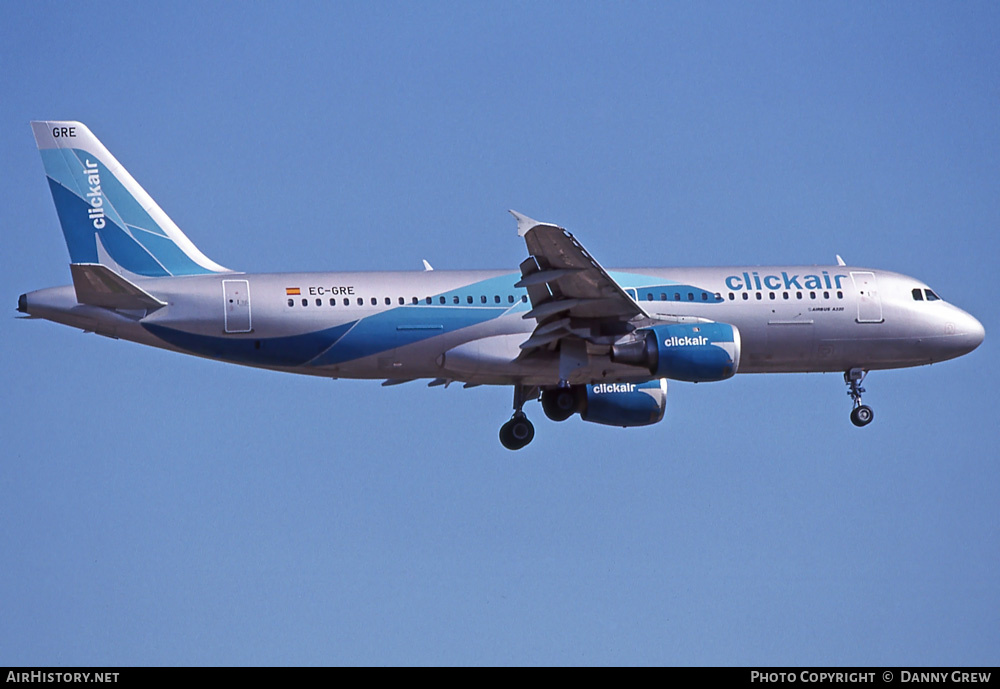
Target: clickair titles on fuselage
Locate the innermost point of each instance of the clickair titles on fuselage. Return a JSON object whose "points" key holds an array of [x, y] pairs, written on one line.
{"points": [[754, 281]]}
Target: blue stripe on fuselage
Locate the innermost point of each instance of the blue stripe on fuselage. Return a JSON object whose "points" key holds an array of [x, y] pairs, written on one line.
{"points": [[403, 326], [292, 350], [380, 332]]}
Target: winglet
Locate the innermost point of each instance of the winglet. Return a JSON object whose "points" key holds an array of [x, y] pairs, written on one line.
{"points": [[524, 223], [840, 261], [427, 266]]}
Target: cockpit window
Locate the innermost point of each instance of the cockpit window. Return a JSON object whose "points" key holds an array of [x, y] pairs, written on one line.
{"points": [[918, 295], [931, 296]]}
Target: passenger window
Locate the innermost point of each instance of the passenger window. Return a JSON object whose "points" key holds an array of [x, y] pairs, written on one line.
{"points": [[482, 298], [798, 295], [745, 296], [468, 299], [812, 295], [649, 296], [718, 296], [388, 301], [772, 295], [759, 297], [401, 301], [305, 302], [333, 302], [361, 302], [524, 298], [704, 296], [731, 296], [663, 297], [826, 295], [454, 300], [441, 300], [427, 300], [291, 302], [840, 295], [510, 298], [784, 295], [374, 301], [690, 296], [415, 300], [677, 296], [930, 295], [496, 298], [347, 301]]}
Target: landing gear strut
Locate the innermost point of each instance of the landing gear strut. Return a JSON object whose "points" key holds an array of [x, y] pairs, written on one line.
{"points": [[862, 414], [518, 432]]}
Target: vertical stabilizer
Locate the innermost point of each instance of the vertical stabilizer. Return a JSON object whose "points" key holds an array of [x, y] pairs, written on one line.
{"points": [[106, 216]]}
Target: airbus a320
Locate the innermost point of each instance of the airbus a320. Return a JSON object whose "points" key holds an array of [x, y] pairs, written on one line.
{"points": [[562, 329]]}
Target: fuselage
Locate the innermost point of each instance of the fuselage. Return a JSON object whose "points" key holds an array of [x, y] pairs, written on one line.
{"points": [[468, 325]]}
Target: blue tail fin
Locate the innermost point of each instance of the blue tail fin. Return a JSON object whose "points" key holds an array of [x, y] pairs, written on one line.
{"points": [[106, 216]]}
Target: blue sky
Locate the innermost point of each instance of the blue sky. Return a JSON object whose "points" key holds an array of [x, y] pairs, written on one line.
{"points": [[161, 509]]}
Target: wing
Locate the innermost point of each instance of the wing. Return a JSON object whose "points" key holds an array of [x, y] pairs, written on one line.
{"points": [[572, 296]]}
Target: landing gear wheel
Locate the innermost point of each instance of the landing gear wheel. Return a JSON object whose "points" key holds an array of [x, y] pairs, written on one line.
{"points": [[517, 432], [559, 403], [862, 415]]}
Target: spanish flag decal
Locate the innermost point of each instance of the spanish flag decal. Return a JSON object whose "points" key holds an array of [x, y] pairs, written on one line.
{"points": [[292, 291]]}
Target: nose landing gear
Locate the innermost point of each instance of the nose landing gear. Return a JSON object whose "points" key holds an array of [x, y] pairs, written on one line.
{"points": [[862, 414]]}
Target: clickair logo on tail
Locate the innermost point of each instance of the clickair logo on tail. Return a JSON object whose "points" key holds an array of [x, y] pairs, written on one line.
{"points": [[94, 196]]}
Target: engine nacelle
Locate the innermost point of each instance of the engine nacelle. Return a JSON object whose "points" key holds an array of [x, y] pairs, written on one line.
{"points": [[695, 352], [625, 404]]}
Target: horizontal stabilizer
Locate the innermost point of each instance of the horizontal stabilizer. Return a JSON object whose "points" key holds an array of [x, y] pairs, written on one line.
{"points": [[98, 285]]}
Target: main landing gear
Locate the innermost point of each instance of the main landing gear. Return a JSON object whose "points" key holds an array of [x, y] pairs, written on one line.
{"points": [[862, 414], [518, 432], [560, 403]]}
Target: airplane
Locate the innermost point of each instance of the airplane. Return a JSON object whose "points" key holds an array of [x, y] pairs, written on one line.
{"points": [[560, 329]]}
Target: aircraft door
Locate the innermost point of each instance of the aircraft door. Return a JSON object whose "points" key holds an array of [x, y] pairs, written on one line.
{"points": [[869, 302], [236, 301]]}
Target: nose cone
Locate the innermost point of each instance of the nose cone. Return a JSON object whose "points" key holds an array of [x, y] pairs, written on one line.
{"points": [[977, 333], [969, 333], [951, 332]]}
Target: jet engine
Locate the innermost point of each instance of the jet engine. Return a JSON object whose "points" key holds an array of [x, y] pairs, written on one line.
{"points": [[611, 404], [625, 404], [695, 352]]}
